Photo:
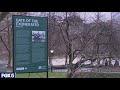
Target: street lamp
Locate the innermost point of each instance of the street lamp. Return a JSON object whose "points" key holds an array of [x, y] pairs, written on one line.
{"points": [[51, 51], [50, 58]]}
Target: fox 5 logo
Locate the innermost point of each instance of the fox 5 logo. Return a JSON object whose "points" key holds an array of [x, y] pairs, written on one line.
{"points": [[7, 75]]}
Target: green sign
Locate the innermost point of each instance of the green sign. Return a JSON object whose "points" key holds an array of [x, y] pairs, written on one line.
{"points": [[30, 44]]}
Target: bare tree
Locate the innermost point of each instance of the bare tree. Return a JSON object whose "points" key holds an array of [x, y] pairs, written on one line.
{"points": [[6, 29]]}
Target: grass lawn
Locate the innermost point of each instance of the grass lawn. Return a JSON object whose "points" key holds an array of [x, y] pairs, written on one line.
{"points": [[41, 75], [62, 75], [31, 75], [56, 75], [98, 75]]}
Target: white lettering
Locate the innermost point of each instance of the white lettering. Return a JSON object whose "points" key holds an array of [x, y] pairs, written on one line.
{"points": [[28, 20], [20, 68], [20, 20], [5, 75], [12, 75]]}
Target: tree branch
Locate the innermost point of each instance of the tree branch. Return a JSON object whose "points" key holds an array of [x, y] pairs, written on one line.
{"points": [[4, 44], [3, 15]]}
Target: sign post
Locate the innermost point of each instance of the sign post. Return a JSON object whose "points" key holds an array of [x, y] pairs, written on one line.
{"points": [[30, 44]]}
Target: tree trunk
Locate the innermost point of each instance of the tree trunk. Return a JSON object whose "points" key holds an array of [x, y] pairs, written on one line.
{"points": [[9, 46], [70, 67]]}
